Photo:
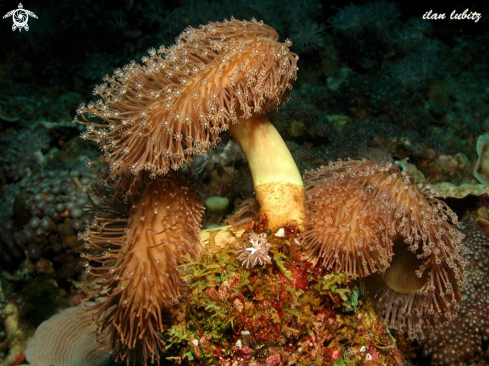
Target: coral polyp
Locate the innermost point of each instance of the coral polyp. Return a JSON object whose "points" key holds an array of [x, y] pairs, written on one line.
{"points": [[257, 254]]}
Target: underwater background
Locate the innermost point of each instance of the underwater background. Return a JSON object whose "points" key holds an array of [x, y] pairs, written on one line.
{"points": [[376, 80]]}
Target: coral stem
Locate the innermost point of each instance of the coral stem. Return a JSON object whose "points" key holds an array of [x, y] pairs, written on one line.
{"points": [[276, 179]]}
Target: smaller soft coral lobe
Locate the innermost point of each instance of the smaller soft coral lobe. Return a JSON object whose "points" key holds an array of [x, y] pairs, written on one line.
{"points": [[134, 263]]}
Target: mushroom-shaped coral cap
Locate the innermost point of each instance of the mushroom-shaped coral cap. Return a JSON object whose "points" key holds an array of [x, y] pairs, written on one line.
{"points": [[133, 258], [63, 340], [156, 116], [365, 217]]}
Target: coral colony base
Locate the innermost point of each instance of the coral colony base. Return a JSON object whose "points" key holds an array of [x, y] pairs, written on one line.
{"points": [[286, 312], [282, 289]]}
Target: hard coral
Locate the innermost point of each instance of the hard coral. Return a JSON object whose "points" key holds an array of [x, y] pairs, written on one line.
{"points": [[34, 212], [464, 340], [24, 153]]}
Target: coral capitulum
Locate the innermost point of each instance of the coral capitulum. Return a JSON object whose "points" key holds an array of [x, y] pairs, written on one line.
{"points": [[257, 254]]}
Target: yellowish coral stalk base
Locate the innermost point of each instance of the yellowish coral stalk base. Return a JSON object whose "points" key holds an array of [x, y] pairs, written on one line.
{"points": [[276, 179], [283, 202]]}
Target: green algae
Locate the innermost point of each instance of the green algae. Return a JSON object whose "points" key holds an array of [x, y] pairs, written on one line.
{"points": [[286, 312]]}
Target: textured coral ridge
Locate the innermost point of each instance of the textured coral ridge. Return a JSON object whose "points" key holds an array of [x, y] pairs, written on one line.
{"points": [[361, 214], [156, 116], [288, 312], [464, 341], [132, 265]]}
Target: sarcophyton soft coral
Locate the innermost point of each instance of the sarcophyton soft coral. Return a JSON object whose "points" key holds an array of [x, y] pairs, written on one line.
{"points": [[308, 36], [377, 17], [373, 37]]}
